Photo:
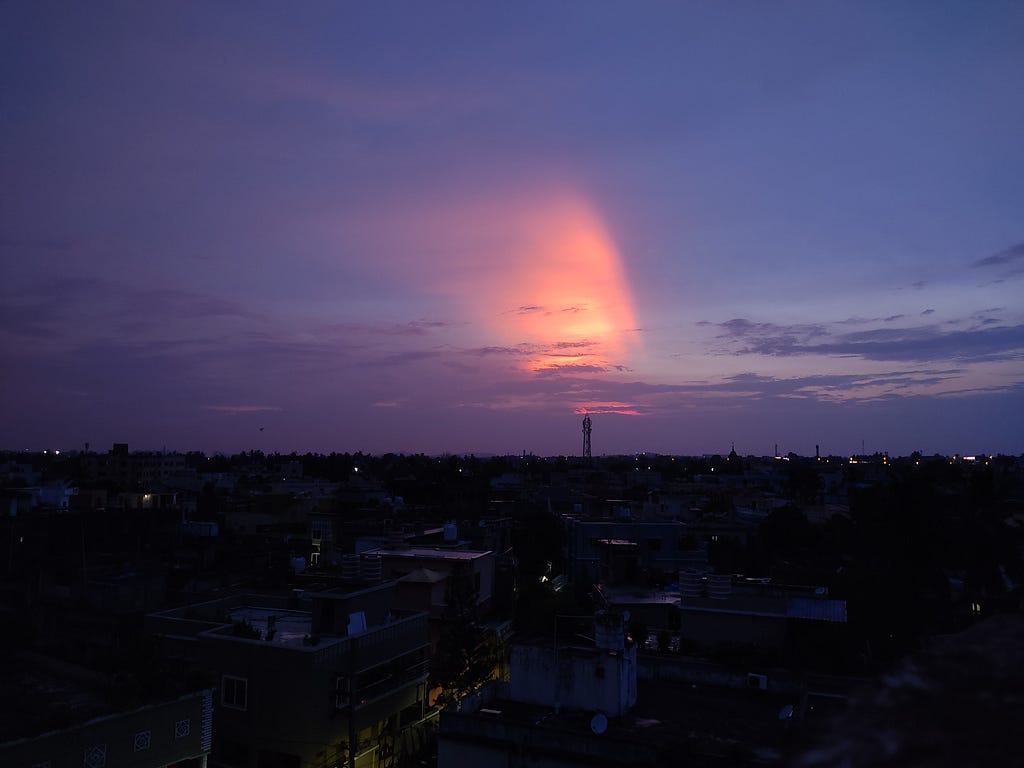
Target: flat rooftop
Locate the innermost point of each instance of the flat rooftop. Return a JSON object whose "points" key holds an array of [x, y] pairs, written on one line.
{"points": [[290, 627], [431, 553], [676, 721]]}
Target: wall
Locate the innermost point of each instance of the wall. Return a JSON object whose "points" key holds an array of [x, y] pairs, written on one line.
{"points": [[177, 730], [581, 678]]}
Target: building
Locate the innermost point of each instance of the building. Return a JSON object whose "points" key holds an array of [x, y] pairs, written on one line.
{"points": [[624, 550], [575, 703], [555, 706], [325, 679], [63, 716], [404, 560]]}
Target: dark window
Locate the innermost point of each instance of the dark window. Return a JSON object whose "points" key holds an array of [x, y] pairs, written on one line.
{"points": [[234, 692]]}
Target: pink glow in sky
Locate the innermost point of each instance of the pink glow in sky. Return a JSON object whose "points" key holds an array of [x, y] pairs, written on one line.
{"points": [[539, 270]]}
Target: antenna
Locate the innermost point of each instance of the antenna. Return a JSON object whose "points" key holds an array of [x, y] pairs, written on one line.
{"points": [[586, 435]]}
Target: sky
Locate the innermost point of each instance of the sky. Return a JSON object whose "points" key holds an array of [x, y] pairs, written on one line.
{"points": [[459, 226]]}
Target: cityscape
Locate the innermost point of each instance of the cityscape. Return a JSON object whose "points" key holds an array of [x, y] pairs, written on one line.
{"points": [[403, 610], [555, 384]]}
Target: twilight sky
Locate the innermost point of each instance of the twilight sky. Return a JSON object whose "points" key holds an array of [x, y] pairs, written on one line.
{"points": [[455, 226]]}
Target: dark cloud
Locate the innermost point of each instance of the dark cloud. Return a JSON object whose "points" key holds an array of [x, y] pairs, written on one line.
{"points": [[403, 358], [8, 243], [497, 350], [923, 343], [571, 345], [416, 328], [572, 368], [919, 344], [179, 304], [1006, 256]]}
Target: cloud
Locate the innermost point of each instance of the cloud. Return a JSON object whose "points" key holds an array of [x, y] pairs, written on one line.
{"points": [[916, 344], [35, 244], [571, 368], [403, 358], [1006, 256], [234, 410], [1010, 262]]}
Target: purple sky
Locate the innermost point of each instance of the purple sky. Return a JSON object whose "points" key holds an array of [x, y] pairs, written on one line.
{"points": [[455, 226]]}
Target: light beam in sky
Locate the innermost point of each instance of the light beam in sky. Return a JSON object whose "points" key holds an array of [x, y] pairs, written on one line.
{"points": [[541, 273], [572, 274]]}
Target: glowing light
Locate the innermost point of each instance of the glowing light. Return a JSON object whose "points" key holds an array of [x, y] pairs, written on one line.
{"points": [[543, 275]]}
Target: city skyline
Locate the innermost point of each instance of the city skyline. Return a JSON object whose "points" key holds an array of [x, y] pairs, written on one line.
{"points": [[458, 228]]}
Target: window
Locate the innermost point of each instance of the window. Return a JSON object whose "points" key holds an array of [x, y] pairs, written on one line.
{"points": [[341, 692], [234, 692]]}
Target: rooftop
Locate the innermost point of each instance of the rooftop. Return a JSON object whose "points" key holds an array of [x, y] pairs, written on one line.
{"points": [[670, 720], [289, 627], [434, 553], [424, 575]]}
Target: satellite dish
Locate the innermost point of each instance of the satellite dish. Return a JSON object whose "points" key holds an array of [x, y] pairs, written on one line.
{"points": [[786, 712], [599, 723]]}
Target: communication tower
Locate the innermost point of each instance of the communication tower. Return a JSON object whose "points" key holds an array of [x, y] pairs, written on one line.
{"points": [[586, 435]]}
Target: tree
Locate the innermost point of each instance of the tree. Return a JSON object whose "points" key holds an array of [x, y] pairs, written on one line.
{"points": [[466, 654]]}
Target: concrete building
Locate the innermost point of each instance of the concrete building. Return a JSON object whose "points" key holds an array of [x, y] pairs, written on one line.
{"points": [[60, 715], [617, 551], [401, 561], [574, 703], [329, 679], [554, 709]]}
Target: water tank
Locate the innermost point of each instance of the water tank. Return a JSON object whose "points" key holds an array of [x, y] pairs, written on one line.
{"points": [[451, 532], [691, 583], [350, 567], [719, 585], [371, 569]]}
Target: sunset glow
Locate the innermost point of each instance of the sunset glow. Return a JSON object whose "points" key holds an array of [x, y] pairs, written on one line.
{"points": [[560, 290]]}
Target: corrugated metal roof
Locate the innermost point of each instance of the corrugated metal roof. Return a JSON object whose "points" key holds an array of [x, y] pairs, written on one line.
{"points": [[816, 609]]}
